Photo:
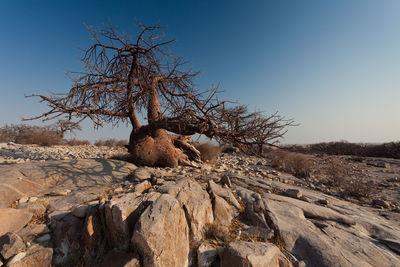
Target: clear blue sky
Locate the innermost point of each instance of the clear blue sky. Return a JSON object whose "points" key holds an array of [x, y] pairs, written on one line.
{"points": [[333, 66]]}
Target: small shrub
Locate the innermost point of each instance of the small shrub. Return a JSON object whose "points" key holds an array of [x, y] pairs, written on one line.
{"points": [[76, 142], [293, 163], [337, 173], [358, 188], [208, 152]]}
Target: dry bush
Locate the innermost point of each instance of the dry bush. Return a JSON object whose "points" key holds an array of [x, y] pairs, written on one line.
{"points": [[208, 152], [337, 172], [26, 134], [339, 175], [385, 150], [76, 142], [111, 142], [293, 163], [39, 137], [358, 188]]}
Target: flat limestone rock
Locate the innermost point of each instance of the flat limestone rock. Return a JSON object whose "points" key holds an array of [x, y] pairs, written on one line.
{"points": [[344, 241], [16, 220], [30, 178]]}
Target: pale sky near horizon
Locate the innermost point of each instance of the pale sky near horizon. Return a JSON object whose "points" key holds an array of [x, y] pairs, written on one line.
{"points": [[332, 66]]}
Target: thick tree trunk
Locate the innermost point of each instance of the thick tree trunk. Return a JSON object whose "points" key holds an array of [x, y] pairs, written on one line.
{"points": [[158, 148], [153, 146]]}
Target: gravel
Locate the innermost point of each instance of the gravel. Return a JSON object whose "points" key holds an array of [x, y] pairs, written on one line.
{"points": [[16, 153]]}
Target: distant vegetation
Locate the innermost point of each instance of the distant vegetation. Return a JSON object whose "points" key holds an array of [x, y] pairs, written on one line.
{"points": [[27, 134], [386, 150], [48, 136], [111, 142]]}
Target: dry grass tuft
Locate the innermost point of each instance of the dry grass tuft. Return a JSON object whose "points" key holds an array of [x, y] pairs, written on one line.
{"points": [[217, 232], [38, 219], [208, 152]]}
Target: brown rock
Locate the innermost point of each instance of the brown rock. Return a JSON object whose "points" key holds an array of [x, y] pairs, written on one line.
{"points": [[294, 193], [121, 215], [30, 231], [139, 188], [93, 236], [241, 253], [207, 255], [120, 259], [225, 193], [195, 201], [379, 203], [36, 256], [11, 244], [16, 220], [324, 201], [225, 180], [81, 211], [223, 212], [161, 235]]}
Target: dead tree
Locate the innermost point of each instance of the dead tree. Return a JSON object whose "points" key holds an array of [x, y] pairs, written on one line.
{"points": [[125, 75]]}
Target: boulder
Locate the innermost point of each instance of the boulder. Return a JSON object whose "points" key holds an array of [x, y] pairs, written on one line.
{"points": [[140, 174], [195, 202], [161, 235], [294, 193], [241, 253], [223, 212], [120, 259], [36, 256], [81, 211], [11, 244], [121, 215], [143, 186], [225, 193], [29, 232], [16, 220], [207, 255]]}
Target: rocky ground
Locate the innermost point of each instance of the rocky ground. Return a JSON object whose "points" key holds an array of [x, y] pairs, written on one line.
{"points": [[89, 211], [16, 153]]}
